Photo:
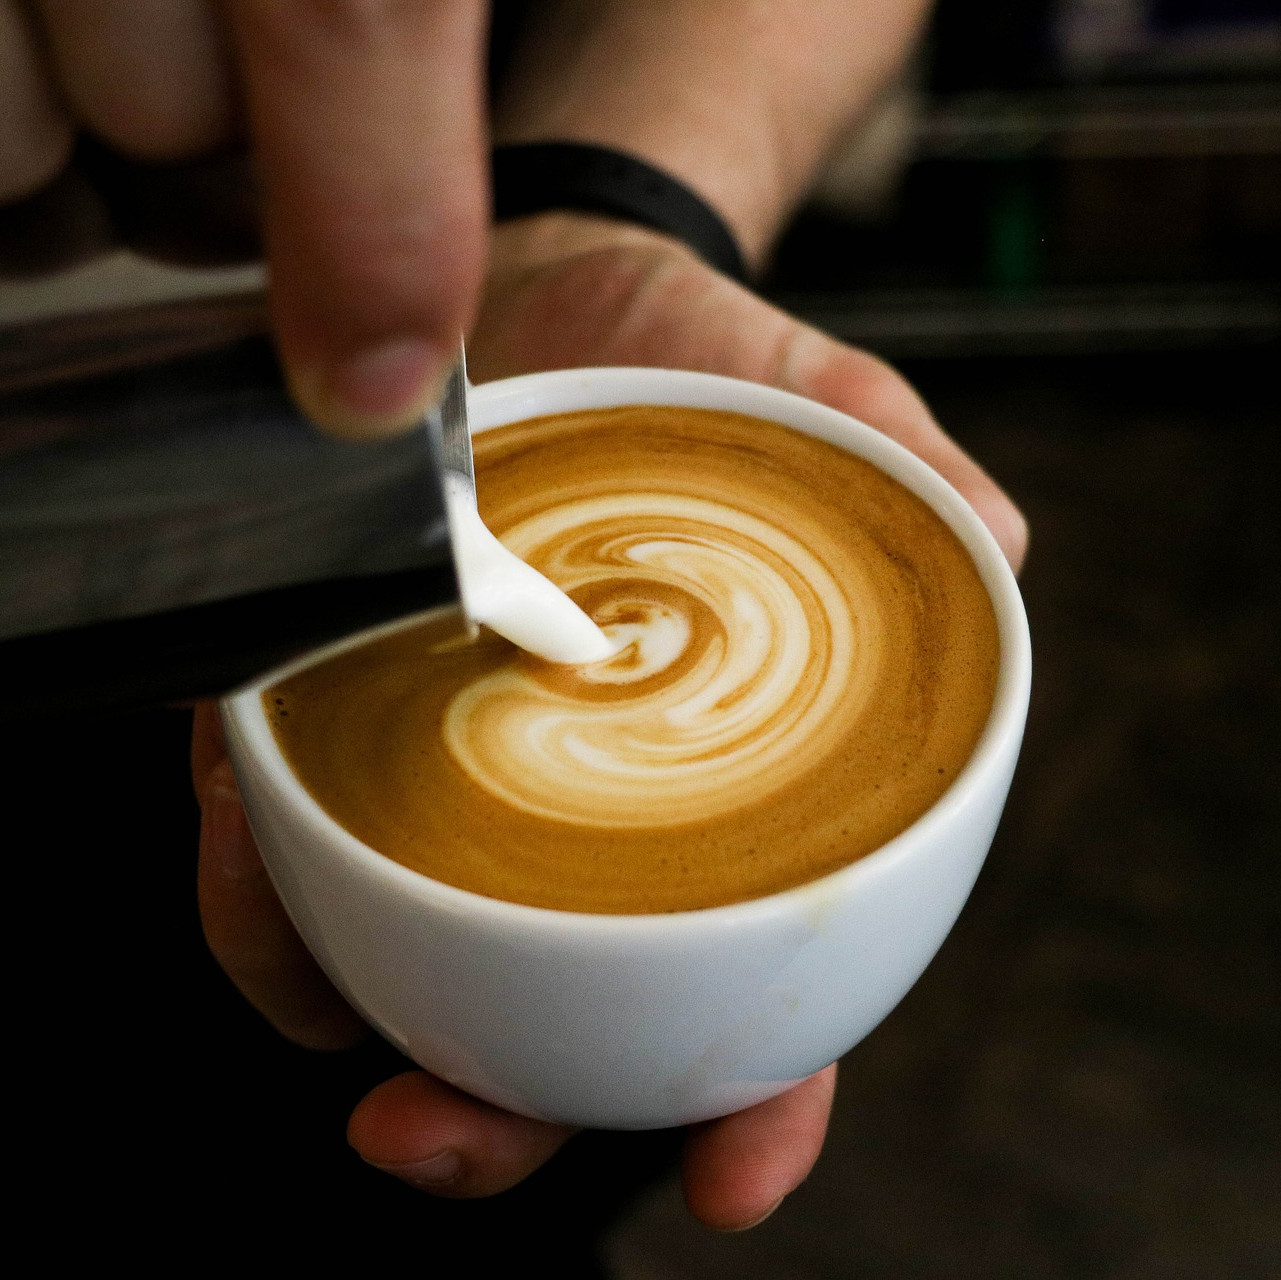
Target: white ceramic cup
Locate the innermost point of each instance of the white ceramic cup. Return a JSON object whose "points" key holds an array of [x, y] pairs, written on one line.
{"points": [[643, 1021]]}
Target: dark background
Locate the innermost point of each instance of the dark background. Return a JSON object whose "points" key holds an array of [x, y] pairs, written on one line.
{"points": [[1076, 262]]}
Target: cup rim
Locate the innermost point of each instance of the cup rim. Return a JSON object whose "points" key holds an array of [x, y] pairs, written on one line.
{"points": [[563, 391]]}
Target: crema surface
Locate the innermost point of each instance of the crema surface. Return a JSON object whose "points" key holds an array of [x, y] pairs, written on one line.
{"points": [[806, 658]]}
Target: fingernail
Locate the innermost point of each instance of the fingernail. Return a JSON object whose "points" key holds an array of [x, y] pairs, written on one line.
{"points": [[755, 1222], [375, 392], [230, 840], [430, 1175]]}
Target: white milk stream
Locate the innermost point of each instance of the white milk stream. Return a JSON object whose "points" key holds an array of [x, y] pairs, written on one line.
{"points": [[500, 590]]}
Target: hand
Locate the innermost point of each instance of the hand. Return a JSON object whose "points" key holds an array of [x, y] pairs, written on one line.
{"points": [[367, 124], [565, 291], [415, 1126]]}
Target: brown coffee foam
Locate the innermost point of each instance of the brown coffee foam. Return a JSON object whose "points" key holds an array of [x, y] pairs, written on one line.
{"points": [[760, 756]]}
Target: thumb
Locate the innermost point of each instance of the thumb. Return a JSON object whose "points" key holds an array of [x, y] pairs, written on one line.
{"points": [[367, 122]]}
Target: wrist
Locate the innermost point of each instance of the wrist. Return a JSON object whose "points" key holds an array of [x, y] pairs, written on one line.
{"points": [[533, 178], [740, 103], [652, 81]]}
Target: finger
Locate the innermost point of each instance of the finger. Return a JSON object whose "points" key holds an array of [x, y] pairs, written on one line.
{"points": [[208, 745], [866, 388], [367, 122], [151, 77], [443, 1141], [35, 132], [250, 934], [739, 1169]]}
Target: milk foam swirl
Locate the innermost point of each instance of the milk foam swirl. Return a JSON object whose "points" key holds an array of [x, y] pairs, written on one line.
{"points": [[738, 646], [807, 657]]}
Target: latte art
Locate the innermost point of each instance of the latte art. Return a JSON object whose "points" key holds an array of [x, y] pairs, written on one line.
{"points": [[805, 659], [739, 649]]}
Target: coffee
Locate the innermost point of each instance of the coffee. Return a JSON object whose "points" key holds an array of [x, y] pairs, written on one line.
{"points": [[808, 658]]}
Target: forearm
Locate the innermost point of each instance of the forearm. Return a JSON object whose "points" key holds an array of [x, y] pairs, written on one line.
{"points": [[740, 99]]}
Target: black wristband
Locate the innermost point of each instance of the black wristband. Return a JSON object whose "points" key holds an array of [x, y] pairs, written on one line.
{"points": [[533, 177]]}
